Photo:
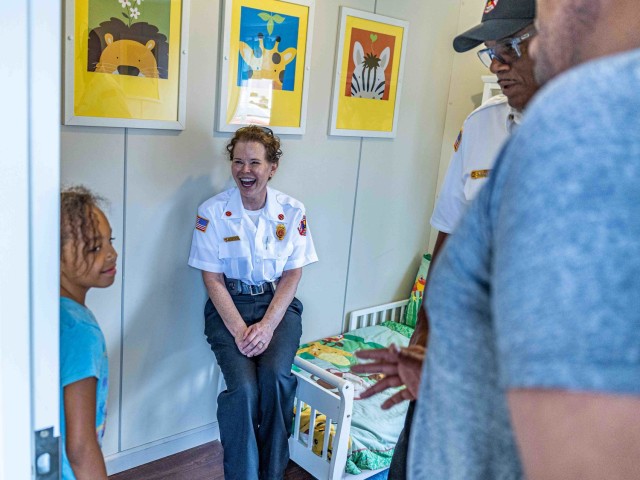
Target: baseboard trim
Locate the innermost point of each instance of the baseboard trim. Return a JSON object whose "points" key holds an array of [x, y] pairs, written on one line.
{"points": [[134, 457]]}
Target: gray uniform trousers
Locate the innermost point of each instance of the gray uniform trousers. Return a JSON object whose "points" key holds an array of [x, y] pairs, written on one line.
{"points": [[255, 412]]}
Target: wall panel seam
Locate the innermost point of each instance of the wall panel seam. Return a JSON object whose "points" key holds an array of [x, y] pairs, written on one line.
{"points": [[125, 151], [30, 210], [353, 221]]}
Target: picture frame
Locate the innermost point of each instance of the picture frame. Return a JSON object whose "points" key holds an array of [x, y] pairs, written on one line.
{"points": [[126, 63], [265, 64], [367, 85]]}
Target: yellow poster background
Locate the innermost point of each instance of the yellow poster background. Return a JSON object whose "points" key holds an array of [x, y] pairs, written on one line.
{"points": [[365, 113], [124, 96], [286, 106]]}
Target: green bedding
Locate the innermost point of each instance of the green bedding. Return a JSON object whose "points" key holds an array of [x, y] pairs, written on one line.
{"points": [[374, 431]]}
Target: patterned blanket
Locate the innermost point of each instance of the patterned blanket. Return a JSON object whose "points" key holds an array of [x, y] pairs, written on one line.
{"points": [[374, 431]]}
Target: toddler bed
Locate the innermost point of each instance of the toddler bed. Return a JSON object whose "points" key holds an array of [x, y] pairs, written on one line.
{"points": [[362, 436]]}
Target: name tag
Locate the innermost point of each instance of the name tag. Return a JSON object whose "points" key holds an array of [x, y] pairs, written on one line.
{"points": [[476, 174], [231, 239]]}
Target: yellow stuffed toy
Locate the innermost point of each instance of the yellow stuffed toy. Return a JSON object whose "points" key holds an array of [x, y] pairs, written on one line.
{"points": [[318, 431]]}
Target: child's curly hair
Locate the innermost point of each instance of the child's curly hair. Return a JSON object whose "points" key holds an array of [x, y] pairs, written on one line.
{"points": [[256, 133], [78, 221]]}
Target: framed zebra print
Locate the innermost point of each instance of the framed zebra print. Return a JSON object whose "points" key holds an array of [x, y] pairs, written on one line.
{"points": [[265, 58], [368, 74]]}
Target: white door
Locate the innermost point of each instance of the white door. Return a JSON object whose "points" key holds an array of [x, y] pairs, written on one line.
{"points": [[29, 233]]}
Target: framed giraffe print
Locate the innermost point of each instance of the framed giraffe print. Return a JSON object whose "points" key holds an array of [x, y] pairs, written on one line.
{"points": [[265, 58], [368, 74], [126, 63]]}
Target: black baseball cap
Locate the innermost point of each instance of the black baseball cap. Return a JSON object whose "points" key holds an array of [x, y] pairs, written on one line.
{"points": [[501, 18]]}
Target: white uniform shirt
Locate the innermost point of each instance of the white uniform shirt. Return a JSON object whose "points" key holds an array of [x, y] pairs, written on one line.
{"points": [[481, 138], [225, 240]]}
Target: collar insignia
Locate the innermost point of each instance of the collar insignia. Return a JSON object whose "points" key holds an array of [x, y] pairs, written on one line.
{"points": [[477, 174]]}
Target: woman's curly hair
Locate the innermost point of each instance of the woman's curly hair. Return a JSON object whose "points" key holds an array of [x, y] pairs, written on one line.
{"points": [[263, 135], [78, 221]]}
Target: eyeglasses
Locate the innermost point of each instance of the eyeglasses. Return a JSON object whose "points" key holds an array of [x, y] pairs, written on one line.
{"points": [[266, 130], [506, 51]]}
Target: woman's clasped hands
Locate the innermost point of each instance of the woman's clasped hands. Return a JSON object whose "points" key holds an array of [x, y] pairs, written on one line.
{"points": [[254, 339]]}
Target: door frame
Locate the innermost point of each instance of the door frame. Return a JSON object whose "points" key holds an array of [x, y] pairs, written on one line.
{"points": [[29, 222]]}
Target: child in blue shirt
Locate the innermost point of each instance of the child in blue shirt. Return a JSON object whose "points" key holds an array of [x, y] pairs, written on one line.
{"points": [[87, 259]]}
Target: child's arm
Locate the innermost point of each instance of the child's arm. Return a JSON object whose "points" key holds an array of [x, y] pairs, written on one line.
{"points": [[82, 446]]}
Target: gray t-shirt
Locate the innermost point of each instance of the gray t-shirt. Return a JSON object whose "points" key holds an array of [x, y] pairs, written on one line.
{"points": [[539, 286]]}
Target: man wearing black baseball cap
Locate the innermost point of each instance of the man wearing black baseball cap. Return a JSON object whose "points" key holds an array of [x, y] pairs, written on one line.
{"points": [[506, 29]]}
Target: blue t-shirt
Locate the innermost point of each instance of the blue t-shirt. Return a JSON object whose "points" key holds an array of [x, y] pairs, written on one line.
{"points": [[83, 354], [539, 286]]}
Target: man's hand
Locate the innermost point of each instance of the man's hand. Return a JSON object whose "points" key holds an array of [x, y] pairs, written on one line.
{"points": [[399, 366]]}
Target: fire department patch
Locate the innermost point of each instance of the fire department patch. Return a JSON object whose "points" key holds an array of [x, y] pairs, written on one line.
{"points": [[302, 228], [491, 4]]}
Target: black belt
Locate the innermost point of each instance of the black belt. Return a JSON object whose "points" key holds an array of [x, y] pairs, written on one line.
{"points": [[238, 287]]}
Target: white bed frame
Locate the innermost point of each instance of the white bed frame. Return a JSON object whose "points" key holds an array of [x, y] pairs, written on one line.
{"points": [[337, 407]]}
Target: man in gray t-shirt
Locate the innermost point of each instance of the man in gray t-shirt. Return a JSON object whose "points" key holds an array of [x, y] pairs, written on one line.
{"points": [[506, 29], [533, 363]]}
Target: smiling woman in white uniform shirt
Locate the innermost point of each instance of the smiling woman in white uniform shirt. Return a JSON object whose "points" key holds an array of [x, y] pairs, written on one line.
{"points": [[251, 243]]}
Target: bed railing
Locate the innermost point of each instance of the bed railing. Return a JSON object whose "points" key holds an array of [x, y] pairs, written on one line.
{"points": [[337, 409], [367, 317]]}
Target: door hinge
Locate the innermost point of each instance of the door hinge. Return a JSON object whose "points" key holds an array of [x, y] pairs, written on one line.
{"points": [[47, 461]]}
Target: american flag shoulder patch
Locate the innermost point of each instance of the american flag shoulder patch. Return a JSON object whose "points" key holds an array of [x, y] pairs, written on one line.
{"points": [[458, 141], [201, 223]]}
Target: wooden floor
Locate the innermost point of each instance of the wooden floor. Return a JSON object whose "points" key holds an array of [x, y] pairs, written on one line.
{"points": [[200, 463]]}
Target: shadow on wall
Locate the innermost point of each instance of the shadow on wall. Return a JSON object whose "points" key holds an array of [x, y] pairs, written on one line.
{"points": [[169, 381], [477, 99], [404, 290]]}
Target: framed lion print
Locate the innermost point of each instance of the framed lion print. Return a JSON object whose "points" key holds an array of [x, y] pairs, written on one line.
{"points": [[368, 74], [126, 63], [265, 60]]}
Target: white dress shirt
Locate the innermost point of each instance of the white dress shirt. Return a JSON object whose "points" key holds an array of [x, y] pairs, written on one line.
{"points": [[226, 240]]}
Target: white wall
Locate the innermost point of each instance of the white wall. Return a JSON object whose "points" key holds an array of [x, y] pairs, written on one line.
{"points": [[95, 157], [368, 203]]}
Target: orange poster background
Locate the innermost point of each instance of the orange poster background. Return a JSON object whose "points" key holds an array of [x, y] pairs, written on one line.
{"points": [[383, 41]]}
